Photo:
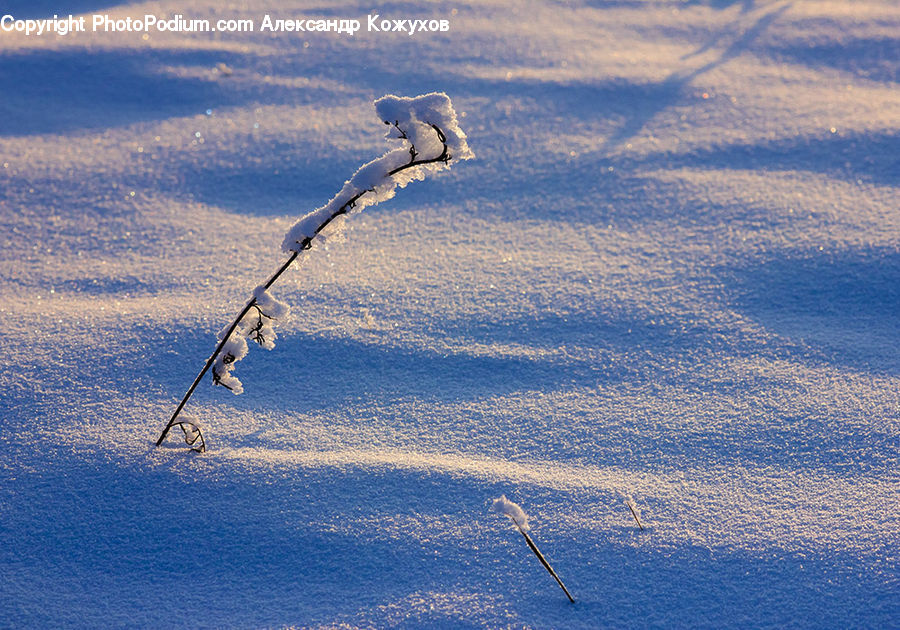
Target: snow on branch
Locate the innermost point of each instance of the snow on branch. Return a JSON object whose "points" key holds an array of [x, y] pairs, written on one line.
{"points": [[507, 508], [256, 325], [428, 125], [427, 128], [512, 510]]}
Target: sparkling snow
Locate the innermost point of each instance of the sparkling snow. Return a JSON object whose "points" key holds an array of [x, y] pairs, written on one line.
{"points": [[671, 274]]}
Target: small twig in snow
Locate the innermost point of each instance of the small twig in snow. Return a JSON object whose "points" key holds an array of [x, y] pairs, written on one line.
{"points": [[634, 512], [517, 515]]}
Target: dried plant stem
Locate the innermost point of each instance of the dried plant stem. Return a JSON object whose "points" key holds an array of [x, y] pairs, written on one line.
{"points": [[212, 357], [305, 244], [634, 514], [544, 562]]}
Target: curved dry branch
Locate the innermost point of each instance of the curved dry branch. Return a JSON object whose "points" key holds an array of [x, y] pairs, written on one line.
{"points": [[192, 435], [305, 244]]}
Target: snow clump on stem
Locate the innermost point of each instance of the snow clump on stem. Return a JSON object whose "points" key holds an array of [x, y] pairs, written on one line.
{"points": [[512, 510], [255, 325], [428, 127]]}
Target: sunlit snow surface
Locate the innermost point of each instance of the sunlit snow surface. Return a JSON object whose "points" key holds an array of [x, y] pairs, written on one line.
{"points": [[672, 273]]}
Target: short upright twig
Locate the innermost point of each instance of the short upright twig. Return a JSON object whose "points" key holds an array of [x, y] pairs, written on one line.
{"points": [[517, 515], [634, 511]]}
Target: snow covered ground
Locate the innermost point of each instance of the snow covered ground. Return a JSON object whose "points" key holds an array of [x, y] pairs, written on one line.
{"points": [[672, 272]]}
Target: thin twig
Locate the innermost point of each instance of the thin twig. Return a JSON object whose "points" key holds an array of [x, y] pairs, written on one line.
{"points": [[305, 244], [634, 514], [546, 564]]}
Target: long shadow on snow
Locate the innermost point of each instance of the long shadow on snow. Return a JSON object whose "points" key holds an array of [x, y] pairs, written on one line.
{"points": [[554, 101], [746, 5], [873, 157], [66, 91], [282, 183], [93, 542], [877, 59], [41, 9], [666, 360], [585, 192], [277, 181], [311, 373], [636, 103], [594, 330], [291, 547], [674, 87], [305, 372], [846, 304]]}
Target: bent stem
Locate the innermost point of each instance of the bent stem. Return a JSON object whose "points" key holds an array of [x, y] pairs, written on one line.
{"points": [[304, 244], [544, 562], [192, 434]]}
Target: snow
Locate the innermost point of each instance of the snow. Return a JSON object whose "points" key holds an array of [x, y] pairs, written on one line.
{"points": [[415, 118], [256, 324], [270, 307], [672, 273], [233, 350], [428, 126], [504, 506]]}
